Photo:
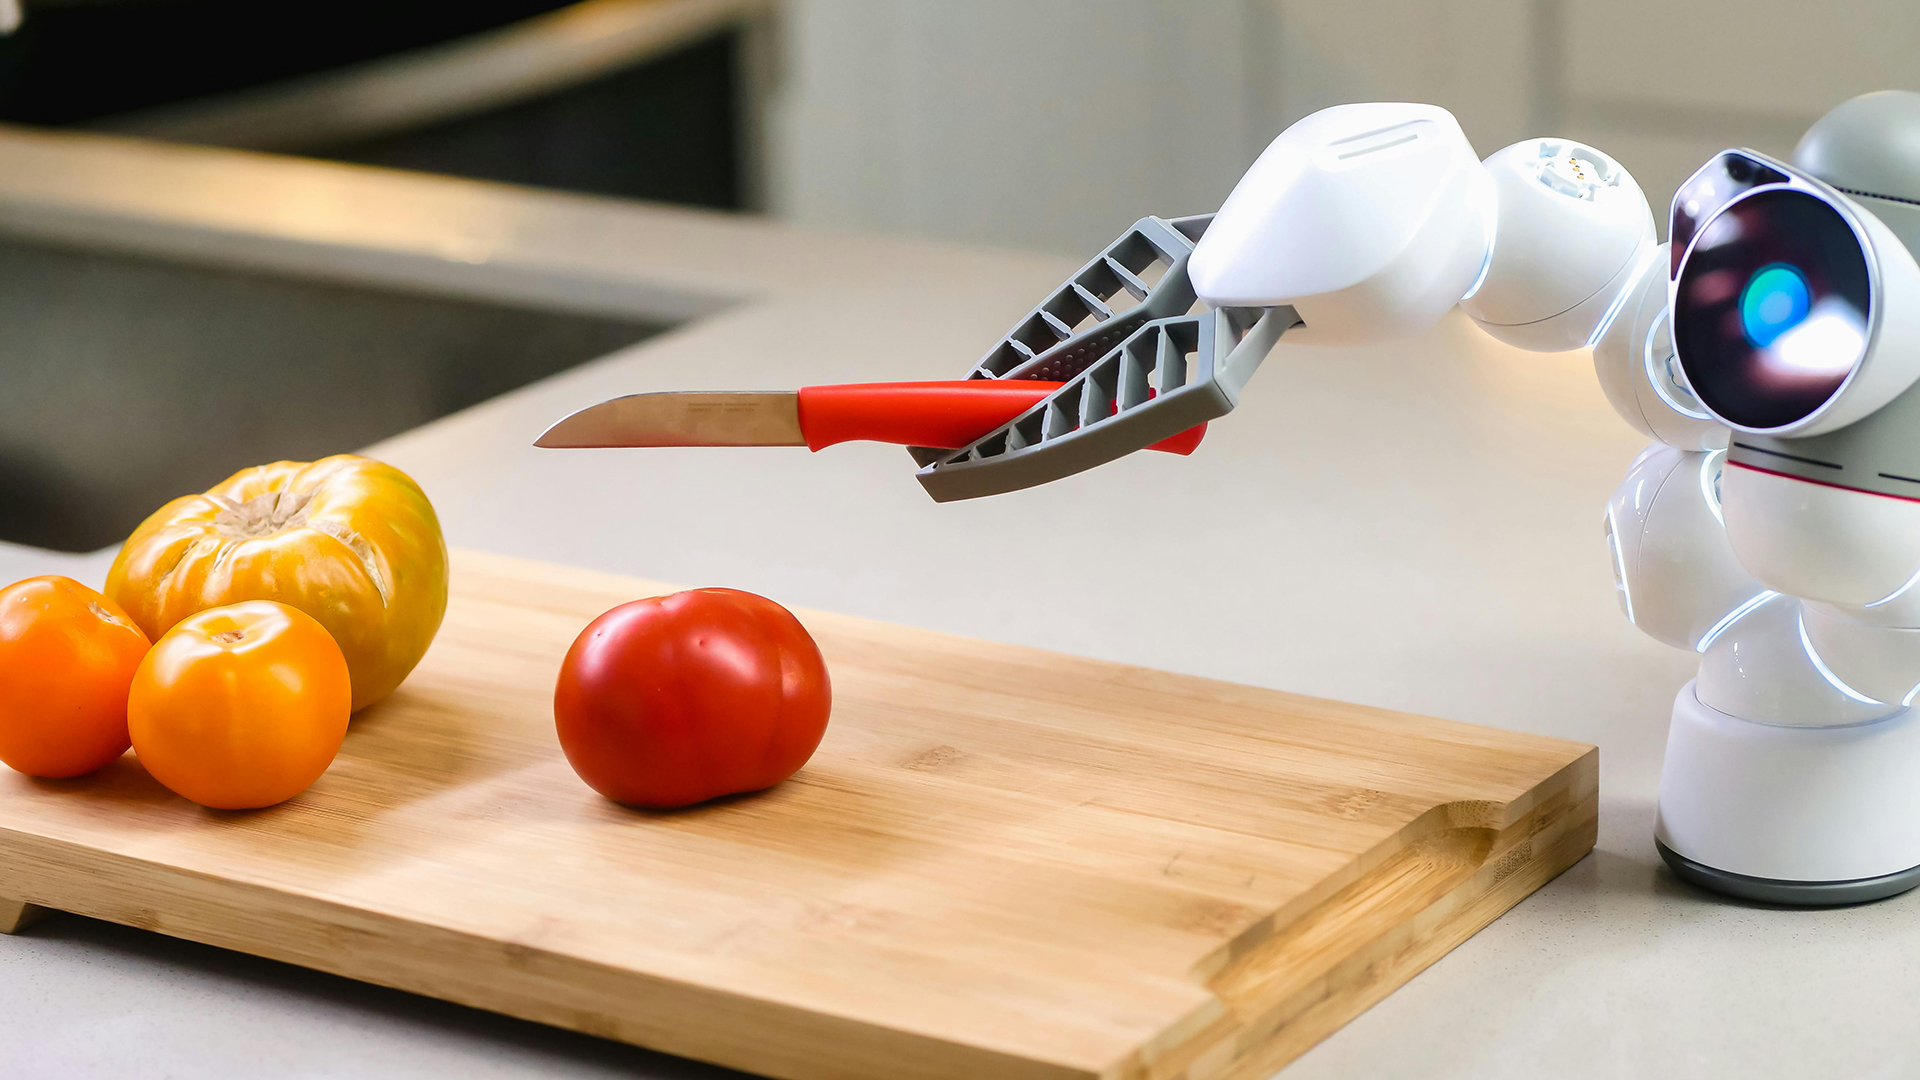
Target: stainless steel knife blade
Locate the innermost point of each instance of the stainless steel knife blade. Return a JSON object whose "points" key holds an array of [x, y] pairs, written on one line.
{"points": [[683, 418]]}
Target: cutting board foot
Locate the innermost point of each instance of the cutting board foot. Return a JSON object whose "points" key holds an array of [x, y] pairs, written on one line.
{"points": [[17, 915]]}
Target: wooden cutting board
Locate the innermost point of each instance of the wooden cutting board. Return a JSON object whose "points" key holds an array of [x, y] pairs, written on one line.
{"points": [[1000, 863]]}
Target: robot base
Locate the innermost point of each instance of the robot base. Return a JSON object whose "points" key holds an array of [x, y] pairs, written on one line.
{"points": [[1791, 815], [1795, 893]]}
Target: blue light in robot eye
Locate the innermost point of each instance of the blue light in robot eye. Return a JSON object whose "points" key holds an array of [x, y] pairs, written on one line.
{"points": [[1775, 301]]}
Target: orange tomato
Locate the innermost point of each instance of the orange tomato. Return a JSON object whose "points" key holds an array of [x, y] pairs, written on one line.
{"points": [[67, 654], [348, 540], [240, 706]]}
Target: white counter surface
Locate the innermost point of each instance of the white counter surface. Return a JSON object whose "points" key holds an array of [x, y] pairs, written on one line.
{"points": [[1415, 527]]}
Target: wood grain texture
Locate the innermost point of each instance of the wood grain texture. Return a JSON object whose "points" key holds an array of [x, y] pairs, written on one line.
{"points": [[1000, 863]]}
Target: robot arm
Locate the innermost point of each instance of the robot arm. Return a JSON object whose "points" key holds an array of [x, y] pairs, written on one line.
{"points": [[1359, 223], [1372, 221]]}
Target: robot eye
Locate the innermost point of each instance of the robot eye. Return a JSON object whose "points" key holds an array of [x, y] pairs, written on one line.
{"points": [[1772, 309]]}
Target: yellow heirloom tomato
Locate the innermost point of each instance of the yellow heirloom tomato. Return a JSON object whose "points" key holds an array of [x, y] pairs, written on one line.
{"points": [[348, 540]]}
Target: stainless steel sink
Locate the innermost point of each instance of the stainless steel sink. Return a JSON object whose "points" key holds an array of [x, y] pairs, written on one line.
{"points": [[126, 381]]}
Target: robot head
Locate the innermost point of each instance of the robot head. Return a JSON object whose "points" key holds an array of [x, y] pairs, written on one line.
{"points": [[1795, 310]]}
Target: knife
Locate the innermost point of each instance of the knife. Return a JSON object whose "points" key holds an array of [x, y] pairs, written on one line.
{"points": [[944, 415]]}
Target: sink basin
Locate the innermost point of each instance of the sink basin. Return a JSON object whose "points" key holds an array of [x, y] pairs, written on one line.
{"points": [[129, 381]]}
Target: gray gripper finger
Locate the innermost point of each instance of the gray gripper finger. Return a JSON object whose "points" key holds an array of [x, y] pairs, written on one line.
{"points": [[1139, 359]]}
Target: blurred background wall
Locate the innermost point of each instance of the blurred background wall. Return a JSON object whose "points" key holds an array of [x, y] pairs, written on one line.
{"points": [[1048, 124], [1055, 123]]}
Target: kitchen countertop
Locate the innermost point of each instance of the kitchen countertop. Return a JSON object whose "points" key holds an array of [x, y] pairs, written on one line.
{"points": [[1415, 526]]}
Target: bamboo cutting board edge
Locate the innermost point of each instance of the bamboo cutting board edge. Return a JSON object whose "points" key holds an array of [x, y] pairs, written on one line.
{"points": [[1266, 992]]}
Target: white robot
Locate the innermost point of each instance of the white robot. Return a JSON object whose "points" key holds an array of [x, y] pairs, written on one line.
{"points": [[1770, 351]]}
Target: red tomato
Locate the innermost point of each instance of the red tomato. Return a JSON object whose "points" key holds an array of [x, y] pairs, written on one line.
{"points": [[679, 699]]}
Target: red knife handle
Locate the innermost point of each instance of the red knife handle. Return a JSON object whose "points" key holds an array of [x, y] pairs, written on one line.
{"points": [[946, 415]]}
